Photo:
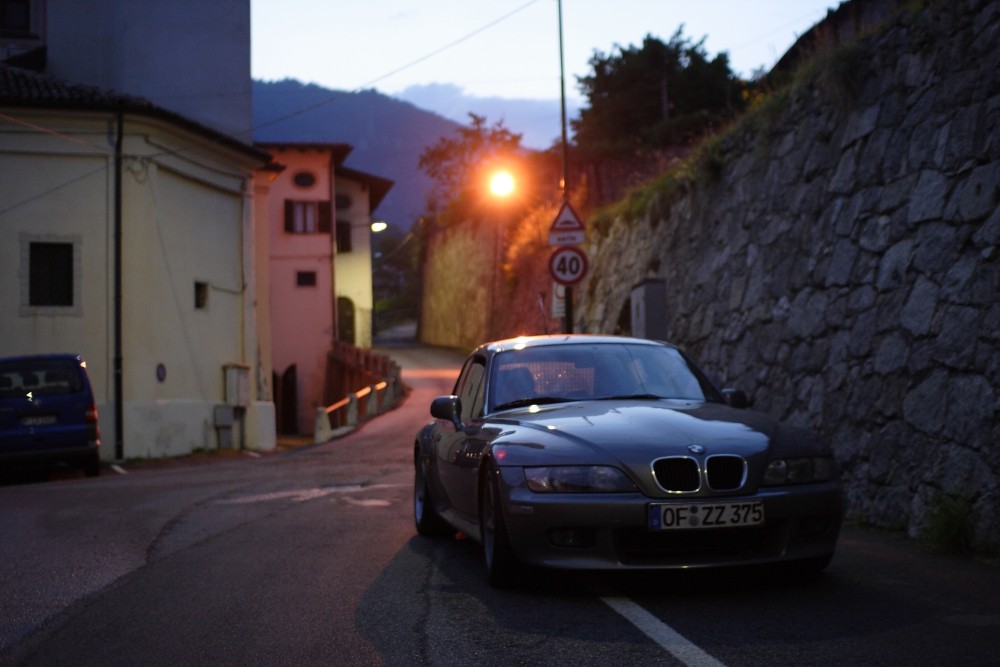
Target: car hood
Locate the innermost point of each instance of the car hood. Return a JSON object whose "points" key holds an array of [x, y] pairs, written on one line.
{"points": [[634, 433]]}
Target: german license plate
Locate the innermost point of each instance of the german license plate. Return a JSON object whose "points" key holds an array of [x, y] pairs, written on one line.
{"points": [[677, 516], [39, 420]]}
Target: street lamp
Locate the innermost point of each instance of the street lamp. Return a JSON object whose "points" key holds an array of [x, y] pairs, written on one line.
{"points": [[502, 184]]}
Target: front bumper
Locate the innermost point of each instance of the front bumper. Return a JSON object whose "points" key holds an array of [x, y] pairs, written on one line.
{"points": [[610, 532]]}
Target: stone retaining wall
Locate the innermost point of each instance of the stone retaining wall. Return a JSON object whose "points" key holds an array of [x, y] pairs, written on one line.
{"points": [[836, 257]]}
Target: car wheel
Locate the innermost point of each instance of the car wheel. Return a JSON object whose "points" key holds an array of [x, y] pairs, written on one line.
{"points": [[501, 564], [92, 468], [429, 523], [811, 569]]}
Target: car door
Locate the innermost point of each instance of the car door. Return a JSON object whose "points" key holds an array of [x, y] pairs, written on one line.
{"points": [[459, 450]]}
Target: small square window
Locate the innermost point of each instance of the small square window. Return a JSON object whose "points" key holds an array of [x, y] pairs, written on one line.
{"points": [[200, 295], [51, 275], [305, 279]]}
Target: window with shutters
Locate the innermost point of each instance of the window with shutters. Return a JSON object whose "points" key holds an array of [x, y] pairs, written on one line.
{"points": [[307, 217]]}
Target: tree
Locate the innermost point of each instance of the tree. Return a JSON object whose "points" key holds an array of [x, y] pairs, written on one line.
{"points": [[460, 165], [654, 96]]}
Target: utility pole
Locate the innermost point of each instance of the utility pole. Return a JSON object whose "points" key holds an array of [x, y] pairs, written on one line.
{"points": [[564, 185]]}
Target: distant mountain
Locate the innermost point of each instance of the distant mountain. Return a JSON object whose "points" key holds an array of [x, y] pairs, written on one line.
{"points": [[537, 121], [388, 135]]}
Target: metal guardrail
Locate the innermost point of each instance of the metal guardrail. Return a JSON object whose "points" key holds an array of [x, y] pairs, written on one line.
{"points": [[345, 415]]}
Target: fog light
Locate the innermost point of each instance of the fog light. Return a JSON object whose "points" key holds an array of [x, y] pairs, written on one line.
{"points": [[572, 538]]}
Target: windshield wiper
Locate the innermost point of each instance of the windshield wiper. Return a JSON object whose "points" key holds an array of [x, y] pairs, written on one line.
{"points": [[632, 397], [538, 400]]}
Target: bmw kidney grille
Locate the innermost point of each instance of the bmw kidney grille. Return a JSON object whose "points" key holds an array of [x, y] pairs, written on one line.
{"points": [[682, 474]]}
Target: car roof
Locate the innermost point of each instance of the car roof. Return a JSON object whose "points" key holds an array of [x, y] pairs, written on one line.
{"points": [[42, 357], [523, 342]]}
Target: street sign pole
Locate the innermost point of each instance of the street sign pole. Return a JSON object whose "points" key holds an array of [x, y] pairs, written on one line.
{"points": [[568, 322]]}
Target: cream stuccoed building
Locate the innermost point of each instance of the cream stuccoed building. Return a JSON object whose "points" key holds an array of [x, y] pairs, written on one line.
{"points": [[128, 212]]}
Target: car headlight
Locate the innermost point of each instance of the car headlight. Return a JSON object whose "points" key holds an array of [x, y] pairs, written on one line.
{"points": [[577, 479], [800, 470]]}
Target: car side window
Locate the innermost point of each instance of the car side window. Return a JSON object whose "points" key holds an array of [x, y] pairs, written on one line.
{"points": [[471, 389]]}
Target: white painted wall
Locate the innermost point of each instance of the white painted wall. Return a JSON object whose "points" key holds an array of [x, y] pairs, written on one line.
{"points": [[353, 270], [187, 216], [57, 187]]}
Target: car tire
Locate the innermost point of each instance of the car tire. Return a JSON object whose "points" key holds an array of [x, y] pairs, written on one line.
{"points": [[428, 522], [810, 569], [502, 568], [92, 468]]}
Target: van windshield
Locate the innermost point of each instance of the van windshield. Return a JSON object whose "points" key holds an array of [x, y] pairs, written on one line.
{"points": [[41, 377]]}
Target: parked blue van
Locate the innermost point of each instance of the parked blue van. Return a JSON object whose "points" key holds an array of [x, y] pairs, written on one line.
{"points": [[47, 413]]}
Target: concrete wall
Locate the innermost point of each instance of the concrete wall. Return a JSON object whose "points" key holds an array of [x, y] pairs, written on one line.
{"points": [[836, 256], [462, 286]]}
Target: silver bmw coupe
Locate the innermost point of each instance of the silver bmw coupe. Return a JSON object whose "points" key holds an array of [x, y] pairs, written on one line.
{"points": [[612, 453]]}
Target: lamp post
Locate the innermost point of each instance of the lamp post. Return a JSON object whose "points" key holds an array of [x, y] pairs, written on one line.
{"points": [[564, 184], [502, 186]]}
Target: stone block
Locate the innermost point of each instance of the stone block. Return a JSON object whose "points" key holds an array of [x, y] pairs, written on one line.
{"points": [[918, 313], [928, 197]]}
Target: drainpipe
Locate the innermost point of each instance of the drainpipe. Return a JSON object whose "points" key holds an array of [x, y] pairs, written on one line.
{"points": [[333, 251], [117, 368]]}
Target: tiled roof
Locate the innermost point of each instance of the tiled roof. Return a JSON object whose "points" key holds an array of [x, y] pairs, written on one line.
{"points": [[21, 87], [378, 187], [340, 151], [25, 88]]}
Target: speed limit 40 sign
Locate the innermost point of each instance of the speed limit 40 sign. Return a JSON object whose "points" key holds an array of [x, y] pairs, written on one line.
{"points": [[568, 265]]}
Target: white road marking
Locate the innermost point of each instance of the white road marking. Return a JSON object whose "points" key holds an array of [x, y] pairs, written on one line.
{"points": [[301, 495], [373, 502], [118, 469], [662, 634]]}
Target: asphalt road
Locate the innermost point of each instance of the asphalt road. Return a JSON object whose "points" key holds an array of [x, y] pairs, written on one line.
{"points": [[310, 558]]}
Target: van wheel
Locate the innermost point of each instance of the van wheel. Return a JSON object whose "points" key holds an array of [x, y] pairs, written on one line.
{"points": [[92, 468]]}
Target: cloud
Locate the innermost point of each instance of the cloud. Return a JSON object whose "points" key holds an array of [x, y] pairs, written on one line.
{"points": [[538, 121]]}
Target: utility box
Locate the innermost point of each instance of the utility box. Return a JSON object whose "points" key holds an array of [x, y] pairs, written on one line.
{"points": [[223, 419], [649, 309], [237, 384]]}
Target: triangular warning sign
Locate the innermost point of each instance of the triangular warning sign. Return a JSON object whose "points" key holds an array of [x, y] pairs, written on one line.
{"points": [[567, 220], [567, 228]]}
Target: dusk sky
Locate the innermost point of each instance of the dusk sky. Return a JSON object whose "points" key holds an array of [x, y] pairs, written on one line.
{"points": [[454, 56]]}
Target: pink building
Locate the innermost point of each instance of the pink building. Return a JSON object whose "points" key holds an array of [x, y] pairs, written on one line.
{"points": [[319, 240]]}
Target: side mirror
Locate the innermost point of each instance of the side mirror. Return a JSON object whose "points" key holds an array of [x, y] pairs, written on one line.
{"points": [[448, 407], [736, 398]]}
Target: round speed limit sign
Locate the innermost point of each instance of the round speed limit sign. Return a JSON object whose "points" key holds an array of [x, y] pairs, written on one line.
{"points": [[568, 265]]}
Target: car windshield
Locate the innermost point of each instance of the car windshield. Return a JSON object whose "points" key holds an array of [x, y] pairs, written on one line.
{"points": [[40, 377], [597, 371]]}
